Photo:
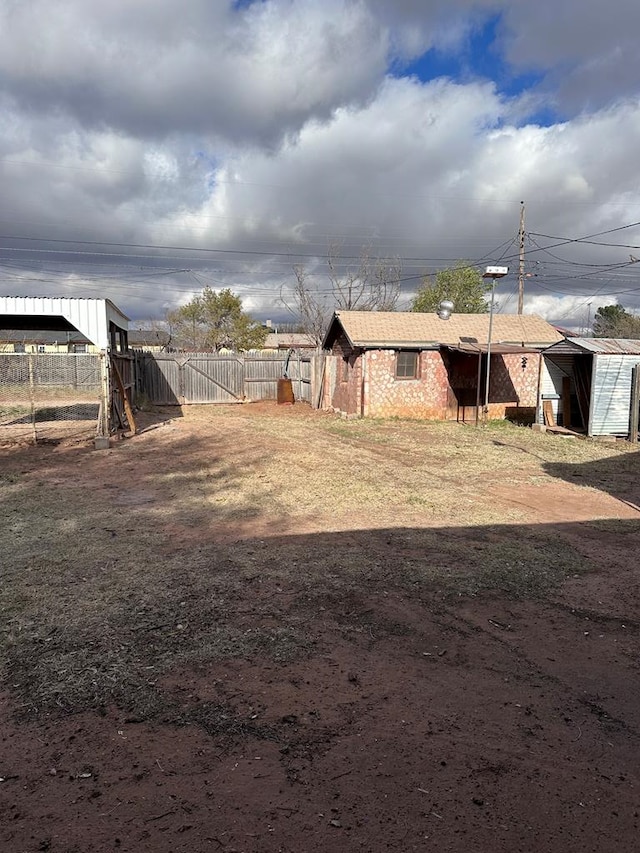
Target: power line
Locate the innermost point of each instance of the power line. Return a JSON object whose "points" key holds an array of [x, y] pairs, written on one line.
{"points": [[171, 248]]}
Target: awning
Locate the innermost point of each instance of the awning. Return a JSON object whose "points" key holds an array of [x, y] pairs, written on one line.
{"points": [[469, 348]]}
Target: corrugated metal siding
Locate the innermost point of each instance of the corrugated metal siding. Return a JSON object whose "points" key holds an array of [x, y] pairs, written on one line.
{"points": [[611, 394]]}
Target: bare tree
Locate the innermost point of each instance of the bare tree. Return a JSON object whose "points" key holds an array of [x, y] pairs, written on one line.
{"points": [[372, 284], [385, 284], [313, 311]]}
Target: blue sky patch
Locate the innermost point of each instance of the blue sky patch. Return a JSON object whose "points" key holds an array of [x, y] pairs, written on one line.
{"points": [[479, 57]]}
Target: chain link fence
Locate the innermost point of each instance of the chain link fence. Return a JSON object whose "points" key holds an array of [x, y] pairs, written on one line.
{"points": [[49, 397]]}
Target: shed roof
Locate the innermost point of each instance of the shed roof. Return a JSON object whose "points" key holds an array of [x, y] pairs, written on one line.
{"points": [[600, 346], [92, 317], [386, 329]]}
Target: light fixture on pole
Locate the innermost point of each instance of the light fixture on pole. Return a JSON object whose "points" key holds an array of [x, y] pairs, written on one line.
{"points": [[444, 309], [493, 273]]}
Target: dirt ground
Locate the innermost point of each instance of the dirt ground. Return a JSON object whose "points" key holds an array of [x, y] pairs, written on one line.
{"points": [[259, 628]]}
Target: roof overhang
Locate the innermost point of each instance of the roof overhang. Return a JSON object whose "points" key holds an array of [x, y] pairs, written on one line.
{"points": [[397, 344], [496, 349]]}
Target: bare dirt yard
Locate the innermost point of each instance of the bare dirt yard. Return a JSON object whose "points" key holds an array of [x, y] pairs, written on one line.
{"points": [[260, 629]]}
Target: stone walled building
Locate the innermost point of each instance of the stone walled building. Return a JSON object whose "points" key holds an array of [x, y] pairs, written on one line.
{"points": [[410, 365]]}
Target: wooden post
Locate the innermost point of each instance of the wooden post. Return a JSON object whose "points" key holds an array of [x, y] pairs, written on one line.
{"points": [[539, 414], [478, 383], [547, 411], [635, 404], [566, 401], [318, 372], [101, 441]]}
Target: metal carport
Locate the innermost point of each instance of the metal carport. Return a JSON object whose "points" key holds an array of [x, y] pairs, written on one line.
{"points": [[101, 322]]}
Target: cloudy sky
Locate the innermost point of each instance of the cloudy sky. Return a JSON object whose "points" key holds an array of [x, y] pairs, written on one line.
{"points": [[151, 147]]}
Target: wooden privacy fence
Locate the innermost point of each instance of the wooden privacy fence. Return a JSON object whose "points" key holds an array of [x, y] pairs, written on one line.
{"points": [[181, 378]]}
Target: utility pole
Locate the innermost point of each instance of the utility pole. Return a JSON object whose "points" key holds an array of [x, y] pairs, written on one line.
{"points": [[493, 273], [521, 268]]}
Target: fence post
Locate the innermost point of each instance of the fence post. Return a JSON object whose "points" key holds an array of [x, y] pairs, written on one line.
{"points": [[635, 403], [32, 397], [102, 433], [317, 372]]}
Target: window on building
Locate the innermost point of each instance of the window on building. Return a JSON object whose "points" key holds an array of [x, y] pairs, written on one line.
{"points": [[19, 348], [79, 347], [41, 348], [407, 364]]}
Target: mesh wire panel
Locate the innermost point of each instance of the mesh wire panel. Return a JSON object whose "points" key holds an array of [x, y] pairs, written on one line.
{"points": [[48, 396]]}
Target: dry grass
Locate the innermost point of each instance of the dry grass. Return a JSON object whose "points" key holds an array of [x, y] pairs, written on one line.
{"points": [[213, 536]]}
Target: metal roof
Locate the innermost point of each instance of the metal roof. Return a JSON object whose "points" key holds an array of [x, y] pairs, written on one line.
{"points": [[92, 317], [605, 346], [496, 349], [397, 329]]}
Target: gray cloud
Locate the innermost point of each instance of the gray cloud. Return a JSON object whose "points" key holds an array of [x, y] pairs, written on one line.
{"points": [[148, 68], [586, 49], [271, 131]]}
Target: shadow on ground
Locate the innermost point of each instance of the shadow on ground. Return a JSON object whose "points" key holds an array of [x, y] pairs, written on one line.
{"points": [[183, 669], [369, 689], [618, 475]]}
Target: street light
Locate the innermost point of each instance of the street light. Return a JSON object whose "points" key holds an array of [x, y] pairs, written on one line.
{"points": [[493, 273]]}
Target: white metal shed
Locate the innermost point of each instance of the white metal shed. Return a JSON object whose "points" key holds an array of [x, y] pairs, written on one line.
{"points": [[589, 381]]}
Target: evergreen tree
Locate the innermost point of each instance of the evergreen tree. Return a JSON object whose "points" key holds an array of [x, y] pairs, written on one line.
{"points": [[215, 320], [614, 321], [463, 285]]}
